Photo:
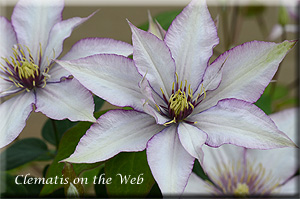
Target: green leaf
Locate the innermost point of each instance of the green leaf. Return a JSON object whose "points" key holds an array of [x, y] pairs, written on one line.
{"points": [[10, 188], [67, 146], [100, 188], [33, 189], [22, 152], [98, 103], [199, 171], [273, 93], [164, 19], [265, 103], [155, 192], [62, 126], [277, 92], [130, 173], [18, 186]]}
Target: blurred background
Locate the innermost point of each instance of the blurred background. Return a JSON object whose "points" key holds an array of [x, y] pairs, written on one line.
{"points": [[237, 23]]}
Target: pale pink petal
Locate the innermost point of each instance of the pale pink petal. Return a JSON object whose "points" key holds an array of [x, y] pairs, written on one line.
{"points": [[7, 39], [196, 186], [6, 86], [153, 59], [291, 188], [150, 102], [65, 100], [13, 115], [192, 140], [58, 34], [160, 119], [282, 162], [87, 47], [226, 154], [112, 77], [170, 164], [191, 38], [247, 71], [240, 123], [33, 21], [116, 131], [277, 30], [212, 76], [155, 28]]}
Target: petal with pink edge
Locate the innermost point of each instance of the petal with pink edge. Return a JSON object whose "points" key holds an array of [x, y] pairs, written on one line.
{"points": [[58, 34], [191, 38], [33, 21], [7, 39], [240, 123], [14, 113], [196, 186], [278, 160], [65, 100], [115, 131], [247, 71], [153, 59], [192, 140], [290, 188], [170, 164], [87, 47], [112, 77]]}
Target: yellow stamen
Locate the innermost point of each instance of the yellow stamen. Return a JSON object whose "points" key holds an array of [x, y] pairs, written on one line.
{"points": [[162, 91], [176, 77], [203, 89], [170, 122], [157, 107]]}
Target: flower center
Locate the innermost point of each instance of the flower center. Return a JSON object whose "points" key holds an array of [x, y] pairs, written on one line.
{"points": [[181, 103], [22, 70], [242, 180], [242, 189], [27, 69]]}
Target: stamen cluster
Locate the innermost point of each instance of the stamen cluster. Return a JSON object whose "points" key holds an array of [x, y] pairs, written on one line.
{"points": [[23, 71], [181, 103], [241, 180]]}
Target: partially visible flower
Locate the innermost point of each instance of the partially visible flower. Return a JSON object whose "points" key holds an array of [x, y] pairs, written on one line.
{"points": [[180, 101], [155, 28], [278, 30], [29, 79], [286, 11], [237, 171]]}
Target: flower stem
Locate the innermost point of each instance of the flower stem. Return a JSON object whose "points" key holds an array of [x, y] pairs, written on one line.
{"points": [[55, 133]]}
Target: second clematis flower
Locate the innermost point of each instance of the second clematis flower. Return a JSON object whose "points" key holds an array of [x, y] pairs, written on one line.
{"points": [[29, 78], [180, 101], [236, 171]]}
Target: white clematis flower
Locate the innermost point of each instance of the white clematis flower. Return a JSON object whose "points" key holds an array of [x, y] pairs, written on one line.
{"points": [[180, 102], [241, 172], [28, 75]]}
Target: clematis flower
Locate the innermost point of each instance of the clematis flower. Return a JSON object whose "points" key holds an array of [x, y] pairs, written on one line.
{"points": [[288, 9], [179, 101], [241, 172], [28, 75]]}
